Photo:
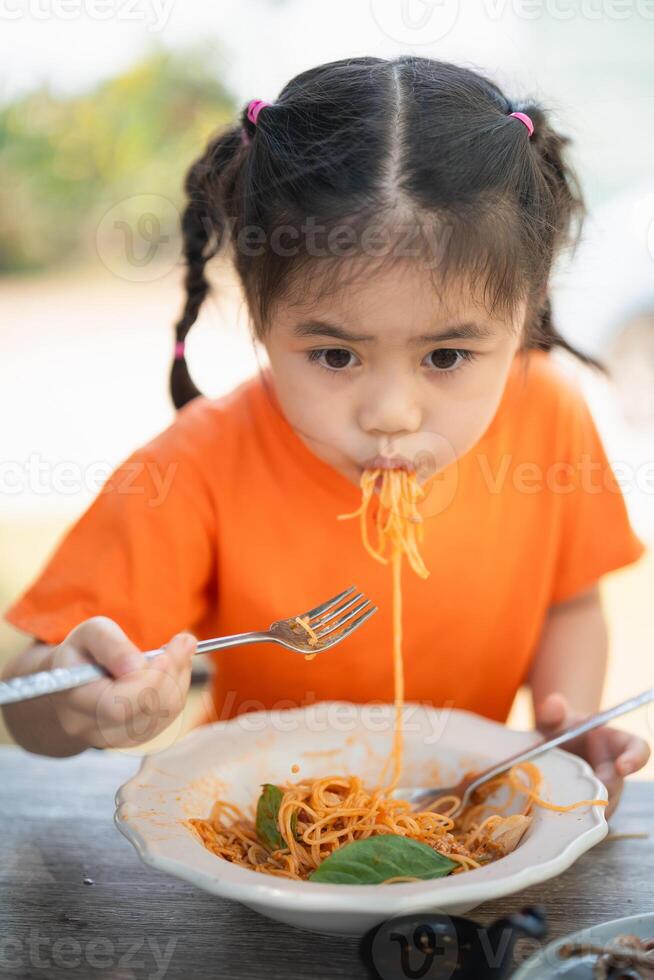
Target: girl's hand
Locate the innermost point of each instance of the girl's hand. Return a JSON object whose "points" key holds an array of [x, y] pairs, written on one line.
{"points": [[136, 702], [612, 753]]}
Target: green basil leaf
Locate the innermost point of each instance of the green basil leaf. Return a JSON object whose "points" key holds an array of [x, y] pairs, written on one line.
{"points": [[294, 826], [374, 859], [267, 826]]}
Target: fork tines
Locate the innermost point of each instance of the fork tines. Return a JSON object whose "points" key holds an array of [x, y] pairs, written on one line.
{"points": [[332, 617]]}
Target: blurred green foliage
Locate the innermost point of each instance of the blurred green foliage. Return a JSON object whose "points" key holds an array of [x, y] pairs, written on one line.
{"points": [[64, 161]]}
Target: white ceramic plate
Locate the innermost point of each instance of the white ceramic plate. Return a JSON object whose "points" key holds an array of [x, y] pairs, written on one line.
{"points": [[547, 965], [231, 760]]}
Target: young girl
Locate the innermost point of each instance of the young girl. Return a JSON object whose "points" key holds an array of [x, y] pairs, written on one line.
{"points": [[393, 225]]}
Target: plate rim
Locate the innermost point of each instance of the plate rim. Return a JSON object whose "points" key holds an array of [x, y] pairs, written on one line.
{"points": [[524, 970]]}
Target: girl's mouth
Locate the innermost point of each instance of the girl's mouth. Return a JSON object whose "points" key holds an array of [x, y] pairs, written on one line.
{"points": [[388, 463]]}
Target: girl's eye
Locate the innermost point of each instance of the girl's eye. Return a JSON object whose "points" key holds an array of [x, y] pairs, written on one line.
{"points": [[332, 358], [445, 360], [449, 359]]}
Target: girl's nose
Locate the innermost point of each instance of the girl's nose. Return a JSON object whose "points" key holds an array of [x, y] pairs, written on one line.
{"points": [[390, 412]]}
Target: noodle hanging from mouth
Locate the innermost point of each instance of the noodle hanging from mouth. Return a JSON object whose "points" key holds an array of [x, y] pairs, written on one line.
{"points": [[318, 816], [400, 530]]}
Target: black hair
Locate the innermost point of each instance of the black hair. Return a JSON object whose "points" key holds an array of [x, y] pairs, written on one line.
{"points": [[403, 145]]}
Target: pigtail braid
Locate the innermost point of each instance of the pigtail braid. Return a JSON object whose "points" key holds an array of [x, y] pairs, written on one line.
{"points": [[204, 230]]}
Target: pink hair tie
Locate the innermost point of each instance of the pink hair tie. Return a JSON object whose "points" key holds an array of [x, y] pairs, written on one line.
{"points": [[524, 118], [254, 108], [179, 350]]}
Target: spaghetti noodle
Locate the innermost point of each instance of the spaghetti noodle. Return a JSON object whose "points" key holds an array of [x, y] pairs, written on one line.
{"points": [[400, 529], [303, 621], [318, 816]]}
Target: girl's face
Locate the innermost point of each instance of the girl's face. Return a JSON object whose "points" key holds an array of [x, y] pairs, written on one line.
{"points": [[389, 368]]}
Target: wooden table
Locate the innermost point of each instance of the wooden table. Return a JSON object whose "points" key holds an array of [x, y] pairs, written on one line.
{"points": [[76, 902]]}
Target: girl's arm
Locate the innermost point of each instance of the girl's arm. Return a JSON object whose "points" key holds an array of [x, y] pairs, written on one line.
{"points": [[566, 678], [572, 654]]}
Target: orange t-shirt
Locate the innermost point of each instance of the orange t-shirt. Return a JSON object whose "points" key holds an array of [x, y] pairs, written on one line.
{"points": [[227, 521]]}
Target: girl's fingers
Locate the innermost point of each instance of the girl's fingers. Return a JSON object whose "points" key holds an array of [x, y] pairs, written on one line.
{"points": [[607, 773], [612, 753], [615, 754], [634, 755], [601, 757], [102, 698], [612, 745], [139, 705], [177, 656], [107, 644], [627, 752], [142, 699], [614, 785], [553, 714]]}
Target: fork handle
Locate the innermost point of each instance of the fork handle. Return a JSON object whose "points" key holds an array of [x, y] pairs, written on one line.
{"points": [[236, 640], [48, 682], [66, 678], [566, 735]]}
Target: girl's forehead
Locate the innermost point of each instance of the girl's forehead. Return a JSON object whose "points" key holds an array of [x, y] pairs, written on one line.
{"points": [[398, 301]]}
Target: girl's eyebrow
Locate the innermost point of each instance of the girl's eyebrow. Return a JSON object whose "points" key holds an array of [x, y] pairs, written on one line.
{"points": [[458, 331]]}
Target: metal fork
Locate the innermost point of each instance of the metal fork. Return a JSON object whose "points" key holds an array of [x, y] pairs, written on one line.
{"points": [[425, 799], [331, 622]]}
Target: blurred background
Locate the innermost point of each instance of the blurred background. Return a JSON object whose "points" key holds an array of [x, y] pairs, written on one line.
{"points": [[103, 105]]}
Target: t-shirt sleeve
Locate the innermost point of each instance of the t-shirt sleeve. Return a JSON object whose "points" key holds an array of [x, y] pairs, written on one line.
{"points": [[143, 553], [596, 535]]}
